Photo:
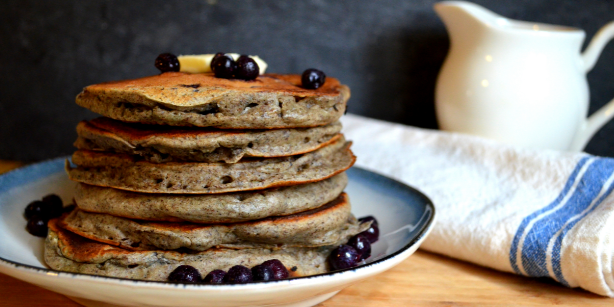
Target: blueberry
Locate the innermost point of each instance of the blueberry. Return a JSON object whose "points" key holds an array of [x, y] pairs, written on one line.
{"points": [[247, 68], [55, 206], [53, 199], [313, 78], [343, 257], [36, 207], [368, 218], [167, 62], [224, 66], [37, 226], [238, 274], [261, 272], [217, 55], [372, 233], [362, 245], [185, 274], [279, 269], [215, 277], [50, 207]]}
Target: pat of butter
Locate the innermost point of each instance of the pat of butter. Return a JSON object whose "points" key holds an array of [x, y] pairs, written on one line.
{"points": [[199, 63], [195, 63]]}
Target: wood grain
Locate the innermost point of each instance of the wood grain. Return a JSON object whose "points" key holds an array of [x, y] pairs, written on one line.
{"points": [[6, 166], [424, 279]]}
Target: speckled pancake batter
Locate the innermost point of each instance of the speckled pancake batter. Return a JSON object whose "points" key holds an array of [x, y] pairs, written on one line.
{"points": [[182, 99]]}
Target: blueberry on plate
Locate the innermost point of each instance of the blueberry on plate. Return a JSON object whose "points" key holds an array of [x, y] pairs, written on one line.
{"points": [[50, 207], [214, 277], [372, 234], [362, 245], [343, 257], [313, 78], [224, 67], [279, 269], [37, 226], [238, 274], [55, 206], [185, 274], [262, 273], [247, 68], [167, 62], [35, 208]]}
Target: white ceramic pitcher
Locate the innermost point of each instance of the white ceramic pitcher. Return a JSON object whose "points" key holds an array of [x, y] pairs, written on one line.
{"points": [[517, 82]]}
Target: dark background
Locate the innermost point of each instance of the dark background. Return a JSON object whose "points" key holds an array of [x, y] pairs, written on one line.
{"points": [[388, 52]]}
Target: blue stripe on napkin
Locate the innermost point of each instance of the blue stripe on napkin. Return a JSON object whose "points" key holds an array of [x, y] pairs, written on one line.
{"points": [[539, 237], [525, 222]]}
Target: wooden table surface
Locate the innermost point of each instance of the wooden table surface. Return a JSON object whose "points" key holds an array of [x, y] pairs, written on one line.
{"points": [[424, 279]]}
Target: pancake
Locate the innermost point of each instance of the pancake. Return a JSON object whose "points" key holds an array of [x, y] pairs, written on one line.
{"points": [[210, 208], [165, 144], [183, 99], [331, 224], [68, 252], [125, 172]]}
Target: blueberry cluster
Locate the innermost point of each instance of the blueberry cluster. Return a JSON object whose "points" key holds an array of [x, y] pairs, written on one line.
{"points": [[269, 270], [245, 68], [224, 66], [357, 249], [39, 212]]}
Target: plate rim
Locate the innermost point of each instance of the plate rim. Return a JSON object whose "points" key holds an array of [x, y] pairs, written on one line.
{"points": [[51, 163]]}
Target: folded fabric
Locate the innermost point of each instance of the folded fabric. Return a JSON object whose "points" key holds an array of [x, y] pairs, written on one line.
{"points": [[532, 212]]}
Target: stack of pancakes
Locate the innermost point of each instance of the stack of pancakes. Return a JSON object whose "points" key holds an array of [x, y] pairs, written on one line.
{"points": [[197, 170]]}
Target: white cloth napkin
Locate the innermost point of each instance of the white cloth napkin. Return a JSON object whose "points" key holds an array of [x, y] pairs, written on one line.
{"points": [[531, 212]]}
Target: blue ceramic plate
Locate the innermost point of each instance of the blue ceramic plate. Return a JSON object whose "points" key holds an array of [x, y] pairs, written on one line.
{"points": [[405, 217]]}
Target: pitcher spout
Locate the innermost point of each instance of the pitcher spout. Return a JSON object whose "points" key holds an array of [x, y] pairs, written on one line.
{"points": [[461, 18], [467, 11]]}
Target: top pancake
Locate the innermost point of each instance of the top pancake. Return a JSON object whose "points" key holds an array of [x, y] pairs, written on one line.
{"points": [[182, 99]]}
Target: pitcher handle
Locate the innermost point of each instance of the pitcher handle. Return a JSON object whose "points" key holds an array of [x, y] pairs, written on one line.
{"points": [[603, 115], [593, 51]]}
